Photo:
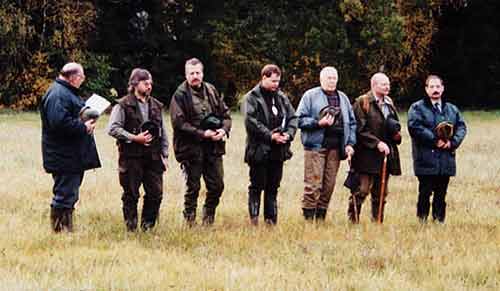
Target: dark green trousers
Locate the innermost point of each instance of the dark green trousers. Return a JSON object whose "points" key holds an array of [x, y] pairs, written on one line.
{"points": [[212, 170]]}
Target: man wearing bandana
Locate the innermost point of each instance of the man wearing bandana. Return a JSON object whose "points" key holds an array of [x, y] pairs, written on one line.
{"points": [[142, 152], [437, 129], [270, 124], [197, 147]]}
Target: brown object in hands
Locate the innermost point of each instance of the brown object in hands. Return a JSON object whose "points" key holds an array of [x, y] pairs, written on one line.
{"points": [[444, 130]]}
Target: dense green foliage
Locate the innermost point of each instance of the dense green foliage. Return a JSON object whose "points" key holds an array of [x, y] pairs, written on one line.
{"points": [[467, 50], [234, 39]]}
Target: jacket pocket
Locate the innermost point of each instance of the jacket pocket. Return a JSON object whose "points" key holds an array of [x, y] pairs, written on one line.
{"points": [[257, 153], [219, 148], [312, 139], [426, 158]]}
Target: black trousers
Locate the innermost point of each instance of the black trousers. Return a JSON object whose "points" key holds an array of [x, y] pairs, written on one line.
{"points": [[427, 186], [265, 177]]}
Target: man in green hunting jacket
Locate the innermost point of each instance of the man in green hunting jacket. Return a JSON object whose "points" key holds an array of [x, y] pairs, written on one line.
{"points": [[201, 122]]}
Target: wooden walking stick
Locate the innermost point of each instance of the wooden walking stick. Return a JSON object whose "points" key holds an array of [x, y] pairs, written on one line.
{"points": [[355, 203], [382, 190], [353, 194]]}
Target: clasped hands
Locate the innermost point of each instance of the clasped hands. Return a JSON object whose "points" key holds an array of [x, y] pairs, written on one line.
{"points": [[214, 135]]}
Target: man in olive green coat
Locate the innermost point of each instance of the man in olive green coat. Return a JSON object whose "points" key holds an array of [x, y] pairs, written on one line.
{"points": [[377, 135], [201, 122]]}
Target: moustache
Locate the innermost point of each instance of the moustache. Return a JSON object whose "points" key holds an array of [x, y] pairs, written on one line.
{"points": [[435, 93]]}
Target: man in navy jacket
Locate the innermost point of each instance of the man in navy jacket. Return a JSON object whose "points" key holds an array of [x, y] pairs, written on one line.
{"points": [[68, 147], [434, 152]]}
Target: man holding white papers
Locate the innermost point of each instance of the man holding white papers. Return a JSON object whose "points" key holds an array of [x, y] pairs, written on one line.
{"points": [[68, 146], [137, 124]]}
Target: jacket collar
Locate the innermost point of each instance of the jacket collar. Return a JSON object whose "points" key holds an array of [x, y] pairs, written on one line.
{"points": [[257, 92], [132, 100], [387, 99], [428, 102], [260, 98], [70, 87]]}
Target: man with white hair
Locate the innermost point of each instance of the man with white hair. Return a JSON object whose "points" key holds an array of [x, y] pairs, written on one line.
{"points": [[328, 133], [377, 135], [68, 146]]}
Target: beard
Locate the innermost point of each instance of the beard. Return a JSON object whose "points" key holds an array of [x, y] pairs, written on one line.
{"points": [[144, 93]]}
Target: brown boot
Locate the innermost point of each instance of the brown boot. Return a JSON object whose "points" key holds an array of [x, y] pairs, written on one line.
{"points": [[56, 219], [353, 211], [254, 221]]}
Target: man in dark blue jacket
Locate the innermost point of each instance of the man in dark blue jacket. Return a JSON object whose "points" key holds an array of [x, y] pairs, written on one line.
{"points": [[437, 129], [68, 147]]}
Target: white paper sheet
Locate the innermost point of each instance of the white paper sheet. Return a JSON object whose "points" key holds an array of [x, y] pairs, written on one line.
{"points": [[98, 103]]}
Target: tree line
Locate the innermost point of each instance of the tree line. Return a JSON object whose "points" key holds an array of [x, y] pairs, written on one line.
{"points": [[407, 39]]}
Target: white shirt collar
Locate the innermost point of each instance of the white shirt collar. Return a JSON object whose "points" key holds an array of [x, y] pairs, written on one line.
{"points": [[386, 99]]}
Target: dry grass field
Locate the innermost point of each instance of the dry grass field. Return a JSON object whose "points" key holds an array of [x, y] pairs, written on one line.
{"points": [[463, 254]]}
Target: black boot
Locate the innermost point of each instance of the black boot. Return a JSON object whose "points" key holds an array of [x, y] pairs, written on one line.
{"points": [[68, 219], [309, 213], [253, 210], [149, 216], [438, 210], [130, 216], [208, 216], [320, 214], [271, 213], [56, 218], [189, 217]]}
